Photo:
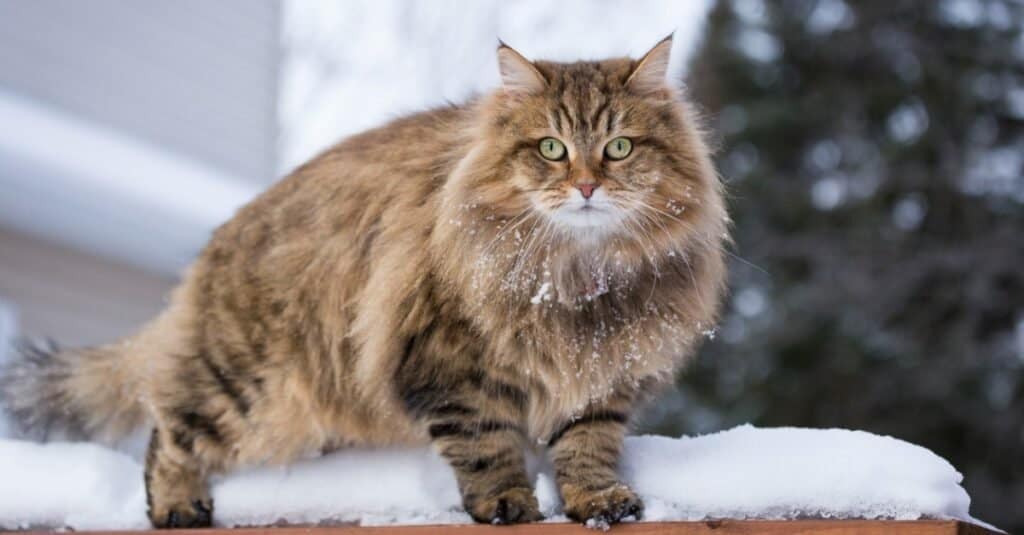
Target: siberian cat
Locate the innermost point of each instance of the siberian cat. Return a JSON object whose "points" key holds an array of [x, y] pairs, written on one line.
{"points": [[514, 272]]}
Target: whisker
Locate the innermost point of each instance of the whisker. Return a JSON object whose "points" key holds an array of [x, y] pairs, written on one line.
{"points": [[704, 239], [512, 225]]}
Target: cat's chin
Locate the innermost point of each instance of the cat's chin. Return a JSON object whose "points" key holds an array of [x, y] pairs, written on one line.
{"points": [[587, 220], [584, 218]]}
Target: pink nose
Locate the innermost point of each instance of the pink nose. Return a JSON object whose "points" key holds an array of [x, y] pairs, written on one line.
{"points": [[587, 189]]}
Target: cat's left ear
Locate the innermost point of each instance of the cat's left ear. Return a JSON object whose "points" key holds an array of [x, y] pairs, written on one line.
{"points": [[651, 72], [518, 74]]}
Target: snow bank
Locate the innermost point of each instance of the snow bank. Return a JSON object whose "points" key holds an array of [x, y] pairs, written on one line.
{"points": [[741, 473], [69, 485], [789, 473]]}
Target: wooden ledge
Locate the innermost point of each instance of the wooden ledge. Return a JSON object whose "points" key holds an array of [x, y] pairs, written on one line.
{"points": [[713, 527]]}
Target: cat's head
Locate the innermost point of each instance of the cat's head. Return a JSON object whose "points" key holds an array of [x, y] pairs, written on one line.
{"points": [[591, 149]]}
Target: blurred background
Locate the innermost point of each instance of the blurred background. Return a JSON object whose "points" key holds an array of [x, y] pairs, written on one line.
{"points": [[873, 153]]}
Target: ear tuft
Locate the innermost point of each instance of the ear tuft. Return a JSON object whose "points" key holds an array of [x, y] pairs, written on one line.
{"points": [[518, 74], [650, 73]]}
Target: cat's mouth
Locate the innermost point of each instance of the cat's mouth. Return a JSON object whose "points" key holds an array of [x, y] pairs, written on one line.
{"points": [[587, 215], [574, 212]]}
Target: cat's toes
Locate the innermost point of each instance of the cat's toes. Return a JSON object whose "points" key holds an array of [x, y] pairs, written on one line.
{"points": [[599, 509], [513, 506], [197, 514]]}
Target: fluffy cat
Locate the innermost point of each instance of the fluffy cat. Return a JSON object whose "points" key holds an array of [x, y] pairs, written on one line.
{"points": [[518, 270]]}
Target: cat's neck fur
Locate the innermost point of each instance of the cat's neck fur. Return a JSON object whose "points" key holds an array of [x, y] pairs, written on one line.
{"points": [[621, 307]]}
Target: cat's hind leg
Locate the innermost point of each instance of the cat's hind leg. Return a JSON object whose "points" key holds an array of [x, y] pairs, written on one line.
{"points": [[201, 413], [176, 489]]}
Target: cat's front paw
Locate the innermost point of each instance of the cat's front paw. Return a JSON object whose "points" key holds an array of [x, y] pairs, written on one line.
{"points": [[513, 506], [601, 508]]}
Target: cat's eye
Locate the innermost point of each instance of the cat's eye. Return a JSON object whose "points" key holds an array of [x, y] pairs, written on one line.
{"points": [[552, 149], [618, 148]]}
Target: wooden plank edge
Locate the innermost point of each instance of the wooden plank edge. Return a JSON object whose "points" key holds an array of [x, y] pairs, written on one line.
{"points": [[709, 527]]}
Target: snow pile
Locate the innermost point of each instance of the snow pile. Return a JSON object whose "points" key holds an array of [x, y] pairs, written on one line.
{"points": [[790, 473], [369, 487], [74, 485], [741, 473]]}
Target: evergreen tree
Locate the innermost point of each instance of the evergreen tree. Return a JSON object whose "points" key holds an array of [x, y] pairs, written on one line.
{"points": [[873, 153]]}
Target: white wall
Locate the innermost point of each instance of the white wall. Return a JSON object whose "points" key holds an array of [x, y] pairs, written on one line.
{"points": [[191, 76], [73, 297], [351, 65]]}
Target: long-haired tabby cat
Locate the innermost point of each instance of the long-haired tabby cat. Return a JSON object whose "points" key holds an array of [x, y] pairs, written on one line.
{"points": [[489, 277]]}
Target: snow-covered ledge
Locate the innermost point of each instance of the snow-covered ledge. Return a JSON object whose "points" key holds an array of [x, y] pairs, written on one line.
{"points": [[745, 473], [85, 184], [708, 527]]}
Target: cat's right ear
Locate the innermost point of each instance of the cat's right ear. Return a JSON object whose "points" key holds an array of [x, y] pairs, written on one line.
{"points": [[518, 74]]}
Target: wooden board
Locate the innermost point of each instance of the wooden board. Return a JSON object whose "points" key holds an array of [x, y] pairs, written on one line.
{"points": [[715, 527]]}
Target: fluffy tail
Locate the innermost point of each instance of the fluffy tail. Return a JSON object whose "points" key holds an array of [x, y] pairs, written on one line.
{"points": [[78, 394]]}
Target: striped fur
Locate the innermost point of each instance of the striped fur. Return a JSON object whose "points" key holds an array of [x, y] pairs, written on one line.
{"points": [[408, 287]]}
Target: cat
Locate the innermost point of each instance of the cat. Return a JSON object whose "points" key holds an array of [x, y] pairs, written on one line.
{"points": [[518, 271]]}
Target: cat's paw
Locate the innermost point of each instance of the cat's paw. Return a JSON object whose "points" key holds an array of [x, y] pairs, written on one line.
{"points": [[601, 508], [194, 514], [513, 506]]}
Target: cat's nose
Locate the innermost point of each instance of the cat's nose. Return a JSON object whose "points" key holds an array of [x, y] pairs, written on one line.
{"points": [[586, 188]]}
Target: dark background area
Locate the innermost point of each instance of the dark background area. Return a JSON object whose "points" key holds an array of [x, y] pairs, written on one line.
{"points": [[873, 155]]}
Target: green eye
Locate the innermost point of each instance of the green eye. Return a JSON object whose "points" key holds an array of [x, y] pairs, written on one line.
{"points": [[552, 149], [618, 148]]}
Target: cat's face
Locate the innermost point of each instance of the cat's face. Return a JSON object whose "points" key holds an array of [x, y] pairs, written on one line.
{"points": [[594, 148]]}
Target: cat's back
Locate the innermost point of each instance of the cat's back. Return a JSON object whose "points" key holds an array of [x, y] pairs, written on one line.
{"points": [[405, 151], [350, 187], [308, 246], [283, 284]]}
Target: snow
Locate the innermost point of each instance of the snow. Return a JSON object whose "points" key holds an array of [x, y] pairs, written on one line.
{"points": [[543, 294], [83, 486], [744, 473]]}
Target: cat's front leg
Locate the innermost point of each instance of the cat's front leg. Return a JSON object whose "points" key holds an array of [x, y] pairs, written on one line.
{"points": [[487, 456], [585, 452], [474, 419]]}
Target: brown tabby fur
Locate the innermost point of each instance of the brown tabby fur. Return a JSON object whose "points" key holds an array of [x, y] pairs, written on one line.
{"points": [[408, 286]]}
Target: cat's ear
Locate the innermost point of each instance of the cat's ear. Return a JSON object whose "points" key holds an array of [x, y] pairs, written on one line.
{"points": [[518, 74], [651, 72]]}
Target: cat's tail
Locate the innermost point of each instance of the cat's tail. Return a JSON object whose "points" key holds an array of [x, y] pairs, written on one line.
{"points": [[72, 394]]}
